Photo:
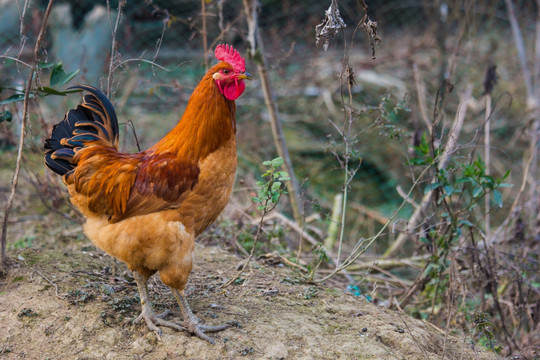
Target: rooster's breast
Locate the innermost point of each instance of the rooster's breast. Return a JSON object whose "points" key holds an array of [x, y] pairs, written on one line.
{"points": [[213, 190]]}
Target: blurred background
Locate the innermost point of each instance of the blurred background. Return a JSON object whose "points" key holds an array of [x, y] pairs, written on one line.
{"points": [[400, 90]]}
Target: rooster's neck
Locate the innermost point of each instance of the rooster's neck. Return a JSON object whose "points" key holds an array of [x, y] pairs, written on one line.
{"points": [[207, 124]]}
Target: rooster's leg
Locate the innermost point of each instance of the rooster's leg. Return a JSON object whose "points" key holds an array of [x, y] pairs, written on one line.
{"points": [[150, 317], [191, 322]]}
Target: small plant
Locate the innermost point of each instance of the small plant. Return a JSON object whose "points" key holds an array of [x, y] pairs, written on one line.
{"points": [[120, 307], [58, 79], [77, 297], [269, 192], [482, 329], [125, 305], [310, 293], [320, 257], [24, 242], [27, 312], [271, 189]]}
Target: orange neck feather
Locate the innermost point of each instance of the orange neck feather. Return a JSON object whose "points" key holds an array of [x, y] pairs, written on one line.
{"points": [[208, 122]]}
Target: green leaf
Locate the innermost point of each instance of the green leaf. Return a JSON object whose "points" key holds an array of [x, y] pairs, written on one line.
{"points": [[497, 196], [449, 190], [277, 162], [5, 116], [45, 65], [431, 187], [51, 91], [276, 186], [14, 98], [425, 240], [59, 77], [477, 191]]}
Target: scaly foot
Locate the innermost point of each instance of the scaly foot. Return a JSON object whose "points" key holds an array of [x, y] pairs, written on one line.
{"points": [[152, 320], [192, 326], [200, 330], [192, 322]]}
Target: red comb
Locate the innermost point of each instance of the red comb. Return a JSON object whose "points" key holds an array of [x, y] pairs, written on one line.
{"points": [[228, 54]]}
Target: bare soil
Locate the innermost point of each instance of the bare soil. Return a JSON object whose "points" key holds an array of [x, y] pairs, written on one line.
{"points": [[80, 304]]}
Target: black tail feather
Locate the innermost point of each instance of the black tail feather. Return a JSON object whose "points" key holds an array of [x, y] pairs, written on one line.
{"points": [[92, 122]]}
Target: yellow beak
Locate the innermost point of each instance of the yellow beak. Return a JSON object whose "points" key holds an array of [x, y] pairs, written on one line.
{"points": [[245, 76]]}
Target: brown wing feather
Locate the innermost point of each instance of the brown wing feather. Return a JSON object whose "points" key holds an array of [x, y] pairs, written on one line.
{"points": [[161, 183], [124, 185], [105, 176]]}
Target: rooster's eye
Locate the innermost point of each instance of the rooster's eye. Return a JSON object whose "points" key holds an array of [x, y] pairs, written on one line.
{"points": [[225, 71]]}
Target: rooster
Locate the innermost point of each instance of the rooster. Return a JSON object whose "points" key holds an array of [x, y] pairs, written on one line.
{"points": [[147, 208]]}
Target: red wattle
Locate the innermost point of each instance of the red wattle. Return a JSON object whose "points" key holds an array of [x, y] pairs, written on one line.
{"points": [[233, 89]]}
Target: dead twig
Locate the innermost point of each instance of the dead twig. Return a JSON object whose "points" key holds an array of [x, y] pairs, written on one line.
{"points": [[114, 53], [16, 60], [22, 137], [46, 279], [370, 213], [204, 34]]}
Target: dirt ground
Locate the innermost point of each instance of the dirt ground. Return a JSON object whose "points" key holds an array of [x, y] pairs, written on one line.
{"points": [[79, 304]]}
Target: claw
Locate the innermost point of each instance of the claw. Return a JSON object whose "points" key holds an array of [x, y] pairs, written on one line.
{"points": [[200, 330], [190, 324]]}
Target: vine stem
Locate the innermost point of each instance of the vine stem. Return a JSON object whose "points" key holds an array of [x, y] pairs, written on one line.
{"points": [[22, 137], [257, 236]]}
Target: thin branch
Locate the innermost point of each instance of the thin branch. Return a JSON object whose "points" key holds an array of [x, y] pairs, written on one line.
{"points": [[415, 262], [442, 161], [22, 138], [522, 55], [305, 235], [122, 63], [15, 59], [359, 249], [225, 30], [257, 236], [421, 95], [487, 161], [257, 48], [294, 226], [449, 149], [113, 55], [132, 127], [204, 34], [511, 218], [49, 281], [21, 30], [405, 197]]}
